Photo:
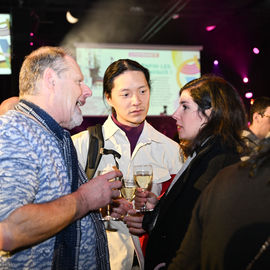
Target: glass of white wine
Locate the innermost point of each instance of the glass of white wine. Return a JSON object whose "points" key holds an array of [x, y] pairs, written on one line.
{"points": [[143, 175], [128, 188], [108, 216]]}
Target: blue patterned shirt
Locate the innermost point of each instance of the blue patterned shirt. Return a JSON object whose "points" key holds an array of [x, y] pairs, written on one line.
{"points": [[32, 170]]}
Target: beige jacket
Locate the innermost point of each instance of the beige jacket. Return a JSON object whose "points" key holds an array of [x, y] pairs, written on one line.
{"points": [[152, 148]]}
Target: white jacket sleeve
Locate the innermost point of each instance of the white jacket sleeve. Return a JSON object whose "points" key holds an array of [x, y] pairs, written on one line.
{"points": [[81, 143]]}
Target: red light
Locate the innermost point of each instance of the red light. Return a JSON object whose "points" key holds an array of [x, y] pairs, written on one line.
{"points": [[31, 43], [31, 34]]}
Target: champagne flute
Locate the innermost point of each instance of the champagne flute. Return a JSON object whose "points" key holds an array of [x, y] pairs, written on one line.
{"points": [[128, 188], [143, 175], [108, 216]]}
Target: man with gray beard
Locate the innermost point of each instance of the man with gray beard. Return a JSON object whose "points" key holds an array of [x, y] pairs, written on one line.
{"points": [[49, 216]]}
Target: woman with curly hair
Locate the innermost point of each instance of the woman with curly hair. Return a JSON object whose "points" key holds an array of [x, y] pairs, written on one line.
{"points": [[210, 117]]}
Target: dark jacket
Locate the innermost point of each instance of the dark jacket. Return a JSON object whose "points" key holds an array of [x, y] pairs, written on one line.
{"points": [[230, 222], [175, 208]]}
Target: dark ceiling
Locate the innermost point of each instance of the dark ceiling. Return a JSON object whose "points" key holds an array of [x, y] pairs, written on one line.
{"points": [[240, 26]]}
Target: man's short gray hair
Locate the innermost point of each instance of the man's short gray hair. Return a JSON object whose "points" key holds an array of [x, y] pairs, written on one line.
{"points": [[35, 64]]}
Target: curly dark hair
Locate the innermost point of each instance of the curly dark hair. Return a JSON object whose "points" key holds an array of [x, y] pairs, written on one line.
{"points": [[228, 116]]}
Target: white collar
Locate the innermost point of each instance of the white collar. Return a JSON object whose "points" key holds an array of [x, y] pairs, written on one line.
{"points": [[148, 133]]}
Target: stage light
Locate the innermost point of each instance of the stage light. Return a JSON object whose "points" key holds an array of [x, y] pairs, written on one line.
{"points": [[245, 79], [252, 101], [216, 62], [31, 34], [70, 18], [248, 94], [31, 44], [210, 28], [256, 50]]}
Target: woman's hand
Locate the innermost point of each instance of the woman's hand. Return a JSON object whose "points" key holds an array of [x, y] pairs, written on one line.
{"points": [[134, 222], [143, 197], [120, 207]]}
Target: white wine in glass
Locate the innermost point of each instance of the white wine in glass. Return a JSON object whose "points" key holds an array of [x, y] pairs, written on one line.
{"points": [[143, 175], [108, 216], [128, 188]]}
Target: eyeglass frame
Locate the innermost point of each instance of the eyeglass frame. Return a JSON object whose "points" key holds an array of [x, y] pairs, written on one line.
{"points": [[262, 115]]}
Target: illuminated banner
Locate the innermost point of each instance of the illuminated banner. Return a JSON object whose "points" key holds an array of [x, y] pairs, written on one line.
{"points": [[5, 44], [170, 68]]}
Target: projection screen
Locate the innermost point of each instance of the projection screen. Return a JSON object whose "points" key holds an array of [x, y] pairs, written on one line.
{"points": [[170, 68]]}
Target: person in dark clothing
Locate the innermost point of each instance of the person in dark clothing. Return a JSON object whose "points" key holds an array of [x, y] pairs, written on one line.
{"points": [[211, 117], [230, 225], [259, 125], [260, 117]]}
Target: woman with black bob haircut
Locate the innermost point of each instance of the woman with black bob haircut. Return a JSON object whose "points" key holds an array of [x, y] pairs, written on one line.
{"points": [[210, 119]]}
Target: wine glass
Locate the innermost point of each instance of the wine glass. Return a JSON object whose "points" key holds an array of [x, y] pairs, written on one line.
{"points": [[108, 216], [128, 188], [143, 175]]}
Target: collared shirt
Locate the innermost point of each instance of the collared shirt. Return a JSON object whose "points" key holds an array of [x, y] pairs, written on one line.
{"points": [[32, 170], [152, 148]]}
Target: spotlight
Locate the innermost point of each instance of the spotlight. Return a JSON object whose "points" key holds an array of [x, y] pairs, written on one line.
{"points": [[249, 94], [256, 50], [70, 18], [210, 28], [216, 62], [245, 79]]}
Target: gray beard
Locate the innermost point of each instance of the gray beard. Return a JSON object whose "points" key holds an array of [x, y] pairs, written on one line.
{"points": [[75, 121]]}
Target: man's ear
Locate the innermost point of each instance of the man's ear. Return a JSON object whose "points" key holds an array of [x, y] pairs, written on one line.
{"points": [[108, 100], [256, 117], [49, 78]]}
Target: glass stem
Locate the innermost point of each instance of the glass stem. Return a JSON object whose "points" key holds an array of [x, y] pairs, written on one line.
{"points": [[108, 210]]}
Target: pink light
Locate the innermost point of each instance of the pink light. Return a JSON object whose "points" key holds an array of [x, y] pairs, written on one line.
{"points": [[249, 94], [210, 28], [216, 62], [31, 34], [31, 43], [175, 16], [245, 79], [256, 50]]}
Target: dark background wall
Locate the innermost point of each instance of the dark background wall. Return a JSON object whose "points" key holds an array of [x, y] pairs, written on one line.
{"points": [[165, 124], [240, 26]]}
